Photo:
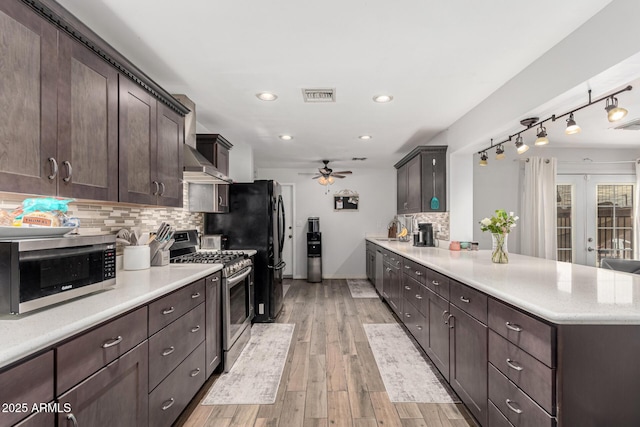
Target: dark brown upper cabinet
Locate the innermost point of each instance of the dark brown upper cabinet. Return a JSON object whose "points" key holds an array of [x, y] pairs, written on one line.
{"points": [[215, 148], [169, 156], [422, 174], [87, 124], [28, 85]]}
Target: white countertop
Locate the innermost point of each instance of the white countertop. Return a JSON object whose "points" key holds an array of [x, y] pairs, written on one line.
{"points": [[559, 292], [28, 333]]}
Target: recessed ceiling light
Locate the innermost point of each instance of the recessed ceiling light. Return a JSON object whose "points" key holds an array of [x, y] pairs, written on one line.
{"points": [[382, 98], [267, 96], [286, 137], [365, 137]]}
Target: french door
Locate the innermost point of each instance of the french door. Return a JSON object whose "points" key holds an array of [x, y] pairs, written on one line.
{"points": [[595, 218]]}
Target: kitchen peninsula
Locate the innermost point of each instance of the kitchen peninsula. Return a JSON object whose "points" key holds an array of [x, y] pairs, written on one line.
{"points": [[534, 342]]}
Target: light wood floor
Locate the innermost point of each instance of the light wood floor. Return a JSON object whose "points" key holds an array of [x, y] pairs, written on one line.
{"points": [[330, 377]]}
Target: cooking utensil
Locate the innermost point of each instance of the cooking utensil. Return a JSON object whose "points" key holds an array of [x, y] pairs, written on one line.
{"points": [[435, 203], [124, 234], [123, 242]]}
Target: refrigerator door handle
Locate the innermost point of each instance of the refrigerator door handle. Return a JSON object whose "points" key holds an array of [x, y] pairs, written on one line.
{"points": [[281, 230]]}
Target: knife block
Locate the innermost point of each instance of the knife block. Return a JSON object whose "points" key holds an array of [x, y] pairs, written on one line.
{"points": [[160, 258]]}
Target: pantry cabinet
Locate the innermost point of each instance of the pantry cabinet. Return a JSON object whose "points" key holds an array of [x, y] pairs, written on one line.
{"points": [[422, 174]]}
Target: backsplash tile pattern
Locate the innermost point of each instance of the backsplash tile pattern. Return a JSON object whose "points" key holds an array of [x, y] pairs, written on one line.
{"points": [[437, 219], [98, 217]]}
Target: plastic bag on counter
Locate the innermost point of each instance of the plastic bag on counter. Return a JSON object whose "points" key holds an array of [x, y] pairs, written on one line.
{"points": [[44, 212]]}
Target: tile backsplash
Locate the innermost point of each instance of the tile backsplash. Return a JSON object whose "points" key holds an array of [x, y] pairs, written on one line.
{"points": [[98, 217], [437, 219]]}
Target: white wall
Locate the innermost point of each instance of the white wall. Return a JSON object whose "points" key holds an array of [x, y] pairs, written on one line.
{"points": [[579, 57], [498, 185], [343, 233]]}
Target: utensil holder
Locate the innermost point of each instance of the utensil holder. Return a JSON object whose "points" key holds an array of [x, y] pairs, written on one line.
{"points": [[136, 257]]}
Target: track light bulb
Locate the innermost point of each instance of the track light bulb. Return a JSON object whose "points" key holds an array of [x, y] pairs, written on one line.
{"points": [[572, 126], [483, 159], [614, 113], [542, 136], [521, 147], [500, 152]]}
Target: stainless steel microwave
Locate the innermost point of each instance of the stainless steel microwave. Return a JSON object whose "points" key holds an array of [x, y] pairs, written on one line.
{"points": [[35, 273]]}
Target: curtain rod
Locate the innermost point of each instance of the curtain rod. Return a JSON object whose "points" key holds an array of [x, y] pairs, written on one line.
{"points": [[585, 161]]}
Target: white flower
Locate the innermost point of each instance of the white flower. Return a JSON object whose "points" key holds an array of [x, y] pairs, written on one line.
{"points": [[513, 225], [485, 222], [511, 213], [516, 218]]}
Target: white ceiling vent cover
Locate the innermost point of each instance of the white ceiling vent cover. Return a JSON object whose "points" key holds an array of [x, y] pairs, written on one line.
{"points": [[319, 95], [632, 125]]}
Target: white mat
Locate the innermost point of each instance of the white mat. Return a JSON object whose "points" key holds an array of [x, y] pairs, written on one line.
{"points": [[361, 288], [255, 377], [406, 375]]}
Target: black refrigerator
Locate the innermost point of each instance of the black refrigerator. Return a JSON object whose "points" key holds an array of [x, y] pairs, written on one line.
{"points": [[256, 221]]}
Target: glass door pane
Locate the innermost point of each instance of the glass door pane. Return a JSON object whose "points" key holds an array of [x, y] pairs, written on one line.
{"points": [[614, 221], [564, 230]]}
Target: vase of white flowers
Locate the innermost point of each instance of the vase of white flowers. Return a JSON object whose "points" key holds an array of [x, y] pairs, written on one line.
{"points": [[499, 225]]}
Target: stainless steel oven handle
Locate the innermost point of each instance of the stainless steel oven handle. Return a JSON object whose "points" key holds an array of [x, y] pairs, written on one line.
{"points": [[278, 266], [234, 280]]}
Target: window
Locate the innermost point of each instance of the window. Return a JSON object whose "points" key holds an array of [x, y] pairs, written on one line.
{"points": [[565, 240], [615, 221]]}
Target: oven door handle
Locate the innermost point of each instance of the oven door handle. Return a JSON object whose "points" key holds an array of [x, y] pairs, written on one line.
{"points": [[278, 266], [232, 281]]}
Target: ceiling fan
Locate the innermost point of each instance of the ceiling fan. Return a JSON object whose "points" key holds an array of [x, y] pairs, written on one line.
{"points": [[326, 175]]}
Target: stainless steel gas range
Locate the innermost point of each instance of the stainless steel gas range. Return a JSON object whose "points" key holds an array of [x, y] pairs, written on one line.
{"points": [[237, 289]]}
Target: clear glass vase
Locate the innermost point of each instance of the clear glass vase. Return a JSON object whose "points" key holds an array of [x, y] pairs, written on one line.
{"points": [[499, 252]]}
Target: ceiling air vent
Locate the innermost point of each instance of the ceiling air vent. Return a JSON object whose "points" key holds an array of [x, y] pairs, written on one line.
{"points": [[319, 95], [632, 125]]}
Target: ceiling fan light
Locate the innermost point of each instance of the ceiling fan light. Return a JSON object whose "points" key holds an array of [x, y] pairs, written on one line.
{"points": [[330, 180], [542, 137], [323, 181], [572, 126], [500, 152], [521, 147], [383, 98], [266, 96]]}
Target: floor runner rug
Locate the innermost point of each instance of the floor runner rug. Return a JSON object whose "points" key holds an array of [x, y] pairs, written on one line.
{"points": [[361, 288], [405, 373], [255, 377]]}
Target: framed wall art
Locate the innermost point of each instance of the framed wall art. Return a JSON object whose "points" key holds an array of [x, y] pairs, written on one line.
{"points": [[345, 200]]}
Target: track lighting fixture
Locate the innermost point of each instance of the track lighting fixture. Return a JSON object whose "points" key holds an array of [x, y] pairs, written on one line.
{"points": [[542, 136], [572, 126], [521, 147], [614, 113], [483, 159]]}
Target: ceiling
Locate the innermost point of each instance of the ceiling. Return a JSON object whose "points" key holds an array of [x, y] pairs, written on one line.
{"points": [[438, 59]]}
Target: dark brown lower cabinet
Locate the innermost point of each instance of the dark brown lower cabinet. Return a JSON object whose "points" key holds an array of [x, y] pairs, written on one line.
{"points": [[213, 323], [116, 395], [438, 323], [40, 419], [468, 362]]}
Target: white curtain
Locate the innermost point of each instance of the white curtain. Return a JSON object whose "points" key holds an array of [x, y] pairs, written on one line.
{"points": [[636, 211], [539, 211]]}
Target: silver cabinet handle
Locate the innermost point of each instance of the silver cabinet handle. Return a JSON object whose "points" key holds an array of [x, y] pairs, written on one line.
{"points": [[393, 259], [418, 273], [418, 327], [408, 267], [513, 327], [418, 296], [168, 351], [195, 372], [157, 184], [69, 171], [54, 172], [449, 321], [196, 295], [168, 310], [215, 279], [195, 329], [444, 313], [408, 288], [435, 283], [463, 299], [112, 342], [385, 255], [72, 418], [514, 365], [388, 269], [162, 191], [168, 404], [514, 409], [407, 315]]}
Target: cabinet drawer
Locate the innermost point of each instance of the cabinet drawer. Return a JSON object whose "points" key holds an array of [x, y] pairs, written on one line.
{"points": [[394, 260], [469, 300], [414, 321], [533, 336], [438, 283], [28, 383], [519, 408], [170, 307], [414, 293], [170, 398], [40, 419], [415, 271], [527, 372], [87, 353], [171, 345], [496, 418]]}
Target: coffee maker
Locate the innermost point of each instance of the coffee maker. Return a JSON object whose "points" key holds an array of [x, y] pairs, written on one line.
{"points": [[425, 235]]}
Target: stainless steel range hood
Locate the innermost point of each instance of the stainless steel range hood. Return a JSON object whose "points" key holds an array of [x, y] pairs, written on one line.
{"points": [[198, 169]]}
